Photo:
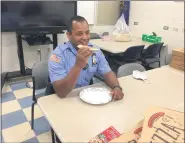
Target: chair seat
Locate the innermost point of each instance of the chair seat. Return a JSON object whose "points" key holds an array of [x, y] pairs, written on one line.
{"points": [[117, 57], [124, 62], [40, 93]]}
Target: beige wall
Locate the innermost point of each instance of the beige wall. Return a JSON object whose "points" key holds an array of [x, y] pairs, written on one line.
{"points": [[107, 12], [153, 15]]}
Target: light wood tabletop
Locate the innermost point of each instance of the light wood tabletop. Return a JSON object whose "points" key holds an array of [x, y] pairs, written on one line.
{"points": [[76, 121], [118, 47]]}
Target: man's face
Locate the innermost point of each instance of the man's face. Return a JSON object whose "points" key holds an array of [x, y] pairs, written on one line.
{"points": [[80, 34]]}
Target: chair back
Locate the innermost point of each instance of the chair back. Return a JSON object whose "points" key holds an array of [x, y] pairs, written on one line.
{"points": [[133, 54], [152, 51], [127, 69], [40, 74]]}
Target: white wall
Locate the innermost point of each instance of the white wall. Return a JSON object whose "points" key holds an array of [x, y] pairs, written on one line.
{"points": [[153, 15], [10, 61], [101, 29], [87, 10]]}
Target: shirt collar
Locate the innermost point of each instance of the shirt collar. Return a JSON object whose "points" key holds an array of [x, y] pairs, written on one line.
{"points": [[71, 47]]}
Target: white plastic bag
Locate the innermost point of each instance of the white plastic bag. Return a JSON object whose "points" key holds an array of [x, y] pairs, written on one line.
{"points": [[121, 31]]}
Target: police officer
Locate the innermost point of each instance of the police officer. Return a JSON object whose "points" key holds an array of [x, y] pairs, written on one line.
{"points": [[72, 67]]}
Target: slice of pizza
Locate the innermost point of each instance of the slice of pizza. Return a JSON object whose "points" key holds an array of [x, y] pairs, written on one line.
{"points": [[91, 48]]}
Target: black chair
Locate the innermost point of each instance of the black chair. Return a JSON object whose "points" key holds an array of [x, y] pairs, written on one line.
{"points": [[151, 54], [131, 55]]}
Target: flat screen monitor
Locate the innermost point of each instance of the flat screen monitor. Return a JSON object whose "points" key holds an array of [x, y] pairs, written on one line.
{"points": [[36, 16]]}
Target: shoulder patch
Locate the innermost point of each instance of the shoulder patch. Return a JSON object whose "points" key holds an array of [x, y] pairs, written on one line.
{"points": [[55, 58]]}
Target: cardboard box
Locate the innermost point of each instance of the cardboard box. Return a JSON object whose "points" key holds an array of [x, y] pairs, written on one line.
{"points": [[178, 52], [130, 137], [162, 125], [177, 59], [179, 67]]}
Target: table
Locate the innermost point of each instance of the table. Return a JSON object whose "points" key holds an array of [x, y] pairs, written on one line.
{"points": [[118, 47], [112, 47], [76, 121]]}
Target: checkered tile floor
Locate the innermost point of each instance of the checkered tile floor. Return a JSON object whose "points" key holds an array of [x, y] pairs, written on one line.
{"points": [[16, 116]]}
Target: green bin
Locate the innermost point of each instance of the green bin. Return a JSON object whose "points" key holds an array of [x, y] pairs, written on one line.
{"points": [[151, 38]]}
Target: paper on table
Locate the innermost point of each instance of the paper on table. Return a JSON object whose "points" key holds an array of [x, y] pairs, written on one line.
{"points": [[139, 75], [130, 137], [105, 136]]}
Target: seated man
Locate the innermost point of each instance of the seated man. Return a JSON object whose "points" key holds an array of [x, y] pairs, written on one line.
{"points": [[71, 67]]}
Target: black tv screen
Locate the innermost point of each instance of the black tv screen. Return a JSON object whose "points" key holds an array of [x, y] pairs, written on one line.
{"points": [[36, 15]]}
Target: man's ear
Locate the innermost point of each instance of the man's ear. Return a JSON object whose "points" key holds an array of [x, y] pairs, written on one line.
{"points": [[68, 35]]}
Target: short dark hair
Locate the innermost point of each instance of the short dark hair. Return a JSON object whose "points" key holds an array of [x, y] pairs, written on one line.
{"points": [[75, 18]]}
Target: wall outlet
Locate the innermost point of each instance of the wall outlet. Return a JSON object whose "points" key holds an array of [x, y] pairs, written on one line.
{"points": [[165, 27], [136, 23], [175, 29]]}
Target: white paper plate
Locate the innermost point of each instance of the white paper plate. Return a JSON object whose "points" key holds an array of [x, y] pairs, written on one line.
{"points": [[95, 95]]}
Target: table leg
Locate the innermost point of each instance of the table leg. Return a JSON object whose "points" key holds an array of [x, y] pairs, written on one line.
{"points": [[20, 55], [55, 139], [53, 135]]}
